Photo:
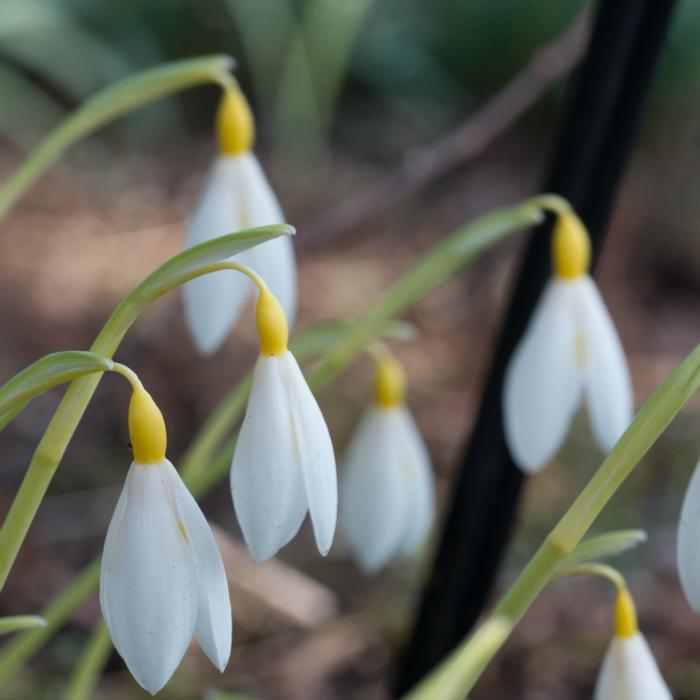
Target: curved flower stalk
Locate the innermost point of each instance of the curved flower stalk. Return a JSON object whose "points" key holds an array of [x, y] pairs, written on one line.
{"points": [[162, 577], [569, 350], [235, 196], [386, 489], [629, 671], [283, 465], [687, 544]]}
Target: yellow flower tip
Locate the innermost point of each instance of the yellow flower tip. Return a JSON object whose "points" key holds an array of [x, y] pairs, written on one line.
{"points": [[571, 246], [272, 324], [235, 127], [390, 383], [146, 428], [625, 615]]}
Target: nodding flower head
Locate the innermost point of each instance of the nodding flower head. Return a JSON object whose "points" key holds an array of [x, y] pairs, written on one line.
{"points": [[236, 196], [569, 350], [386, 489], [283, 465], [629, 671], [162, 578]]}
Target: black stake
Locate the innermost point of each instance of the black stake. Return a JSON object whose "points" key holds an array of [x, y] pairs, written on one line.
{"points": [[592, 150]]}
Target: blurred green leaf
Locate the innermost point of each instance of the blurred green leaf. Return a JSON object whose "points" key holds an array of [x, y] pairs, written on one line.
{"points": [[609, 544], [16, 623]]}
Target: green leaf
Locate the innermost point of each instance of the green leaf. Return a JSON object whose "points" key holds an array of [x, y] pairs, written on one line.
{"points": [[189, 263], [20, 622], [105, 106], [609, 544], [44, 374]]}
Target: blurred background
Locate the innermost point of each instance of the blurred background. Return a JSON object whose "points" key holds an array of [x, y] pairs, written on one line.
{"points": [[371, 131]]}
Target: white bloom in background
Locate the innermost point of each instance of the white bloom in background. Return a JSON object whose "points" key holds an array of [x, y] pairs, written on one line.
{"points": [[283, 465], [386, 488], [688, 553], [162, 577], [236, 196], [629, 671], [570, 351]]}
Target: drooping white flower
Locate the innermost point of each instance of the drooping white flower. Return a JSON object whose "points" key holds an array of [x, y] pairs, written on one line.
{"points": [[283, 465], [236, 196], [162, 577], [386, 488], [629, 671], [570, 351], [687, 545]]}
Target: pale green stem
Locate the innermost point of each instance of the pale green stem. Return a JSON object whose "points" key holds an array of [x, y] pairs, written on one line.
{"points": [[105, 106], [595, 569], [15, 623], [53, 444], [58, 611], [651, 420], [89, 668]]}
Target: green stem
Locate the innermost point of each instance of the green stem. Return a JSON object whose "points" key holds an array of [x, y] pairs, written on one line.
{"points": [[90, 665], [16, 623], [105, 106], [647, 426]]}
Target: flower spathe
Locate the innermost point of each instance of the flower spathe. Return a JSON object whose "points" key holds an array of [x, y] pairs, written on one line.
{"points": [[629, 671], [386, 488], [162, 577], [236, 196], [283, 465], [570, 351], [687, 543]]}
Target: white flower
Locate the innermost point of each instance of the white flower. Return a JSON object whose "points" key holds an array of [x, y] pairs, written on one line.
{"points": [[629, 672], [386, 488], [236, 196], [569, 350], [283, 465], [687, 546], [162, 577]]}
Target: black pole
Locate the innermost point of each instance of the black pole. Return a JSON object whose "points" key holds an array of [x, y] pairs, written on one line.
{"points": [[592, 150]]}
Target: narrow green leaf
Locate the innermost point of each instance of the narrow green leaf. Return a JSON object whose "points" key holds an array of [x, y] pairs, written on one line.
{"points": [[105, 106], [189, 263], [44, 374], [609, 544], [20, 622]]}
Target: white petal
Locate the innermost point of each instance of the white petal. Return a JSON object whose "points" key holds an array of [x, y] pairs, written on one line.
{"points": [[273, 260], [420, 484], [607, 380], [543, 383], [213, 302], [315, 451], [148, 587], [266, 475], [688, 549], [373, 493], [630, 672], [213, 625]]}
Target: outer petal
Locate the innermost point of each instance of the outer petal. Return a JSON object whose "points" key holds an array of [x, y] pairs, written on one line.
{"points": [[373, 491], [688, 539], [420, 483], [542, 383], [266, 475], [630, 672], [273, 260], [213, 302], [607, 380], [148, 588], [315, 451], [213, 625]]}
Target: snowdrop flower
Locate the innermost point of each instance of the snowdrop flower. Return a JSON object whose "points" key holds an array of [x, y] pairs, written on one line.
{"points": [[283, 465], [236, 196], [569, 350], [629, 671], [162, 577], [386, 489], [687, 544]]}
